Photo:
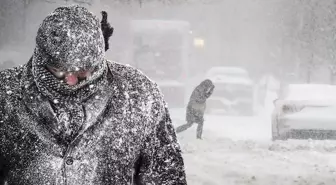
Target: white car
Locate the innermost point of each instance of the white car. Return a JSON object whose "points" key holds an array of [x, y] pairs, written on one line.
{"points": [[233, 93], [305, 111]]}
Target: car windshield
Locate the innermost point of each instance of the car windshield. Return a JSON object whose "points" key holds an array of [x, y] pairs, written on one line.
{"points": [[233, 91]]}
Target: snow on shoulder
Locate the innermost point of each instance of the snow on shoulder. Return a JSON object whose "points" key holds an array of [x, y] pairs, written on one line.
{"points": [[137, 82]]}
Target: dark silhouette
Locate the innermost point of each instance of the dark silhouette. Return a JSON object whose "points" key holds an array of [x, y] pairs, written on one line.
{"points": [[196, 107]]}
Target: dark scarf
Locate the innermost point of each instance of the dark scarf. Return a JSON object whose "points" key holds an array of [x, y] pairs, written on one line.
{"points": [[66, 102], [59, 91]]}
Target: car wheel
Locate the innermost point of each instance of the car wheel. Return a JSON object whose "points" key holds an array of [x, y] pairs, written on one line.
{"points": [[276, 136], [275, 133]]}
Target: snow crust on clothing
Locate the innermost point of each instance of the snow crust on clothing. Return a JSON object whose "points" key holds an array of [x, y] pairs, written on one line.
{"points": [[131, 139], [113, 128], [72, 37]]}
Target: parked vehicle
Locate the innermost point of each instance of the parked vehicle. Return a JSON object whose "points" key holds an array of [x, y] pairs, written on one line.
{"points": [[234, 93], [305, 111]]}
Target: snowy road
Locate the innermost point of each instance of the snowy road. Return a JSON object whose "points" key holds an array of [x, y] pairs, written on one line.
{"points": [[238, 151], [236, 128]]}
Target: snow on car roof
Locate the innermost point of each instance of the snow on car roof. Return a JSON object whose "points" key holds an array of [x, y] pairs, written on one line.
{"points": [[229, 80], [310, 92], [227, 70], [232, 75]]}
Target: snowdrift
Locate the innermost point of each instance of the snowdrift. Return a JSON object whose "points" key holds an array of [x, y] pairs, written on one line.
{"points": [[219, 160]]}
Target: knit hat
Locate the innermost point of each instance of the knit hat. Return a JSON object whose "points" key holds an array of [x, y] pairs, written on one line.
{"points": [[72, 37]]}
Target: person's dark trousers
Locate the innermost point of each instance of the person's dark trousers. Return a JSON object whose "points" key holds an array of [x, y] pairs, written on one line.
{"points": [[199, 130], [184, 127]]}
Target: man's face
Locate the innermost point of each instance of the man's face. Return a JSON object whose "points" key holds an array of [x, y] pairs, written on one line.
{"points": [[70, 77]]}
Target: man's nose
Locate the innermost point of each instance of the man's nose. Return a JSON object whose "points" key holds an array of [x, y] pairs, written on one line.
{"points": [[71, 79]]}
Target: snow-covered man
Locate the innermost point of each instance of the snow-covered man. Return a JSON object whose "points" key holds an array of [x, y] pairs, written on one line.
{"points": [[197, 106], [71, 117]]}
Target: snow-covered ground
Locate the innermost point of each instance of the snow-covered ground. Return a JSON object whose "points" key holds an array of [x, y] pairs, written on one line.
{"points": [[238, 151]]}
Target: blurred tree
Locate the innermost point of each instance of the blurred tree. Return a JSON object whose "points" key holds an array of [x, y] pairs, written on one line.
{"points": [[306, 31]]}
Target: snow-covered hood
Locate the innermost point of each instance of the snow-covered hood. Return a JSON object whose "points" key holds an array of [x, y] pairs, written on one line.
{"points": [[314, 113], [314, 108]]}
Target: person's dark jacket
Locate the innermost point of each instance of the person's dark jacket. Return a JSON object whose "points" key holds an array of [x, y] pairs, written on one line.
{"points": [[128, 136], [197, 103]]}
